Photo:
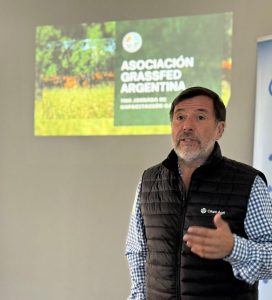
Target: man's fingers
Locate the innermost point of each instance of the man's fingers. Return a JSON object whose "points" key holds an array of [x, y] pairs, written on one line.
{"points": [[198, 239], [201, 231], [206, 249]]}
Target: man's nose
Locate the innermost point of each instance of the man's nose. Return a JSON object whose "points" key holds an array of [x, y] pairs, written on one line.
{"points": [[188, 124]]}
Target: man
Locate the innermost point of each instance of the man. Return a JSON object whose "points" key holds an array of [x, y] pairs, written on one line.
{"points": [[201, 226]]}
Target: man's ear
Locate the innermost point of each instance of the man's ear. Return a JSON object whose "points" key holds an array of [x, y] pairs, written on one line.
{"points": [[220, 129]]}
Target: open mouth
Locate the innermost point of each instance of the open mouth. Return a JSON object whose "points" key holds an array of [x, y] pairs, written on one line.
{"points": [[188, 140]]}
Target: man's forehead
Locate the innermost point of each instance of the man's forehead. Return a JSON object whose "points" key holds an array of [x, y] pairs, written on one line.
{"points": [[202, 103]]}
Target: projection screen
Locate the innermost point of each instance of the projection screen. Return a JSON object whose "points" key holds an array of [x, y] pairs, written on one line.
{"points": [[120, 77]]}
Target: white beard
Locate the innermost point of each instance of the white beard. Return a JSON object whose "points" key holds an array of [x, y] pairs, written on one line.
{"points": [[197, 156]]}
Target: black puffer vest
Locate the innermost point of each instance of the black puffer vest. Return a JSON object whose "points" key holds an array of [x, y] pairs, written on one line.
{"points": [[172, 271]]}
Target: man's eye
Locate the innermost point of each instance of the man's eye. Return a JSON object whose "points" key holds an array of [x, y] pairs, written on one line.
{"points": [[201, 118], [180, 117]]}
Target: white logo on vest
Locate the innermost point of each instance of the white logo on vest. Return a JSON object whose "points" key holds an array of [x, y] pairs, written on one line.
{"points": [[205, 210]]}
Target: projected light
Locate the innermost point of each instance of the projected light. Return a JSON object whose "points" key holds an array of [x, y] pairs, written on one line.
{"points": [[120, 77]]}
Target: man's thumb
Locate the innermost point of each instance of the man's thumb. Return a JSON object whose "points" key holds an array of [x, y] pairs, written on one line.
{"points": [[218, 221]]}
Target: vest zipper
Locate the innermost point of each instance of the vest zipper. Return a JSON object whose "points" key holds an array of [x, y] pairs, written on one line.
{"points": [[181, 226]]}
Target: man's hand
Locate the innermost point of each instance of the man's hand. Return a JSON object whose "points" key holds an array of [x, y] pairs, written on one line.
{"points": [[210, 243]]}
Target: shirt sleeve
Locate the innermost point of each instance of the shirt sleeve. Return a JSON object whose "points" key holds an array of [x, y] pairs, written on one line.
{"points": [[251, 258], [136, 250]]}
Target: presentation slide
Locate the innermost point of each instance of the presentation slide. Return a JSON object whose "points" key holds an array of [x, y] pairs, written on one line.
{"points": [[120, 77]]}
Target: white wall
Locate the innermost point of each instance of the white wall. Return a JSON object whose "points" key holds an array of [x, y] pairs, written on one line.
{"points": [[65, 202]]}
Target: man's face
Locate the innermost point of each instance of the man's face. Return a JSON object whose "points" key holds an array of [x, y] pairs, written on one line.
{"points": [[195, 129]]}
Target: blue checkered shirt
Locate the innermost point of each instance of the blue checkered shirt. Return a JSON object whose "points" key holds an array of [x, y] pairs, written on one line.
{"points": [[251, 259]]}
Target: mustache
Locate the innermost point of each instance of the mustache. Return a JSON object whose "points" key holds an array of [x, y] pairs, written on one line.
{"points": [[186, 135]]}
